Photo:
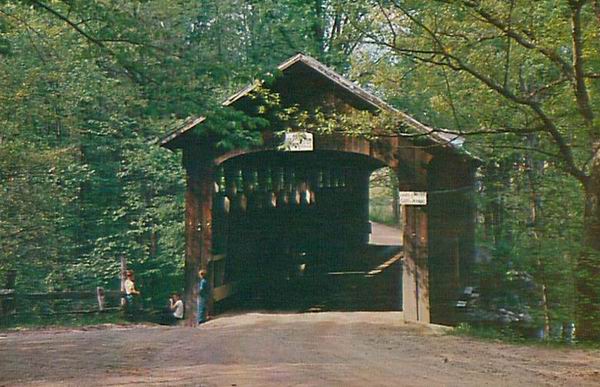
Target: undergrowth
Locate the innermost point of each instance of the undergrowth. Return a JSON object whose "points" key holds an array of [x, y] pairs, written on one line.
{"points": [[510, 335], [40, 322]]}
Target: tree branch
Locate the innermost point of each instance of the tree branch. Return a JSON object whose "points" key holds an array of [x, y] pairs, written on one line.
{"points": [[137, 43], [581, 92], [458, 64], [508, 46], [526, 148], [543, 89], [131, 71], [68, 21], [30, 29], [553, 56], [389, 22], [472, 132]]}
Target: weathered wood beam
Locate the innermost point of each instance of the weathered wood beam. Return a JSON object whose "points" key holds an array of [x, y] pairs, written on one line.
{"points": [[199, 167], [415, 273], [452, 231]]}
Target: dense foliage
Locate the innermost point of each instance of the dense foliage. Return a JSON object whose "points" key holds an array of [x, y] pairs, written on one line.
{"points": [[86, 88], [520, 80]]}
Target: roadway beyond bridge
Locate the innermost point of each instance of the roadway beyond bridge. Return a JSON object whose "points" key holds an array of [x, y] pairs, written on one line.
{"points": [[310, 349]]}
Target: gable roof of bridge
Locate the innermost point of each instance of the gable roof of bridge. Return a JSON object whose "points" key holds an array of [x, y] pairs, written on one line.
{"points": [[444, 139]]}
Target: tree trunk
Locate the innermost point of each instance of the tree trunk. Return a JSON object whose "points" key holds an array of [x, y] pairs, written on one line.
{"points": [[588, 266], [535, 170], [541, 278], [396, 205], [318, 28], [153, 247]]}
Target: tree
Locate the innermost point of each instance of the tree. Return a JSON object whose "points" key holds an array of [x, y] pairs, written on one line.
{"points": [[86, 88], [508, 69]]}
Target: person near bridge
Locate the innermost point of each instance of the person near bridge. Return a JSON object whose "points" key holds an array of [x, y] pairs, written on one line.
{"points": [[175, 311], [130, 291], [203, 296]]}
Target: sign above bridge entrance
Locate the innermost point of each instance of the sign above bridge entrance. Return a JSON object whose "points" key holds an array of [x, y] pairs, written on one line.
{"points": [[412, 198], [298, 142]]}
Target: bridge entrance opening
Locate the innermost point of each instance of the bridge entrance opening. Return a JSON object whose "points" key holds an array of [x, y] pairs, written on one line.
{"points": [[385, 211], [291, 232]]}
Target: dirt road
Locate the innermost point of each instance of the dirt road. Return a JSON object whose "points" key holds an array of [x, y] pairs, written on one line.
{"points": [[385, 235], [324, 349]]}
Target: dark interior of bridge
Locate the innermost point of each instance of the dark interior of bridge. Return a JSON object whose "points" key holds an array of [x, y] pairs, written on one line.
{"points": [[291, 232]]}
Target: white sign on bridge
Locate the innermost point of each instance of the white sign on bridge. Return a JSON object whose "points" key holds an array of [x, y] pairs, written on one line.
{"points": [[298, 141], [413, 198]]}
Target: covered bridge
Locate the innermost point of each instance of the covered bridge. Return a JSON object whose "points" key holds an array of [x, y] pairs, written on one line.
{"points": [[258, 208]]}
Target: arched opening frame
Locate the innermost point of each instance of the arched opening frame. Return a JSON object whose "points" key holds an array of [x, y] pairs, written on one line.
{"points": [[438, 237]]}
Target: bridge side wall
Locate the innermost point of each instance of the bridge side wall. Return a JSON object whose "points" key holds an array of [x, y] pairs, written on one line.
{"points": [[438, 238], [451, 229]]}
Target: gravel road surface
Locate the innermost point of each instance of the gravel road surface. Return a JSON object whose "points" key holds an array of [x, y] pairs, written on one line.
{"points": [[310, 349]]}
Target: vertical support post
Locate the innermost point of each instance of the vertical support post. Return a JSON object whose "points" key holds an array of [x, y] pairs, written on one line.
{"points": [[365, 225], [415, 269], [198, 226], [452, 233], [100, 297], [396, 205], [415, 273], [422, 259], [11, 279], [123, 277], [8, 304]]}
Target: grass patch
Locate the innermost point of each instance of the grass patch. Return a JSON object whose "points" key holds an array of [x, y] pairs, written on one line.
{"points": [[382, 215], [511, 336], [64, 320], [489, 333]]}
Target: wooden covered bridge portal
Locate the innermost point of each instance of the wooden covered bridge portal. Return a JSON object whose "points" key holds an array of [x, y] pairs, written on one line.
{"points": [[251, 213]]}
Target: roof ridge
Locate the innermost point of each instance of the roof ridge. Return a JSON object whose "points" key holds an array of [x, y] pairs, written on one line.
{"points": [[454, 141]]}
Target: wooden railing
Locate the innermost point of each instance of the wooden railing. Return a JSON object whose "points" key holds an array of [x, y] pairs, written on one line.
{"points": [[13, 303], [221, 289]]}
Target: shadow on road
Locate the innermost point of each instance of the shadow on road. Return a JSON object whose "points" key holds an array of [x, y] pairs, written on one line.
{"points": [[365, 280]]}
